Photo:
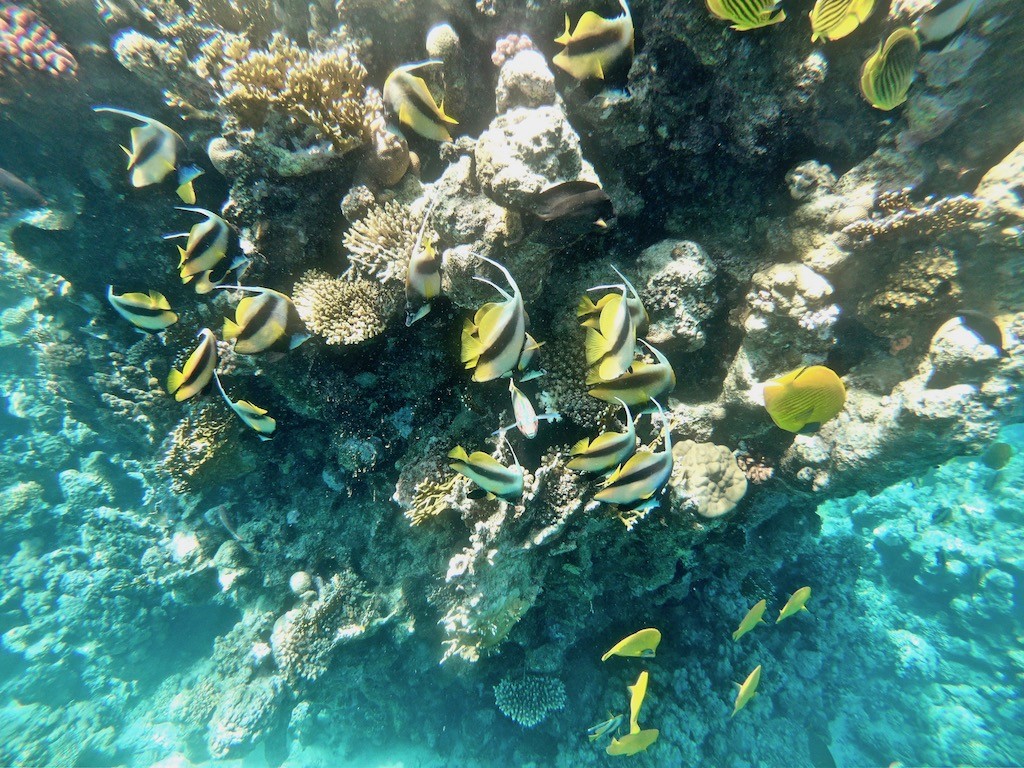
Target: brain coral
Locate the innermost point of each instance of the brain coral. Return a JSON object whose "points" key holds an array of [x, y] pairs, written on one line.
{"points": [[707, 476]]}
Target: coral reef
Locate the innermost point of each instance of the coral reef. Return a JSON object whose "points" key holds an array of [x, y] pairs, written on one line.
{"points": [[529, 700], [343, 311], [26, 43]]}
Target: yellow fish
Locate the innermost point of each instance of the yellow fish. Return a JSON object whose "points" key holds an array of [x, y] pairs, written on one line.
{"points": [[746, 691], [797, 602], [266, 321], [747, 14], [493, 478], [494, 341], [252, 416], [637, 484], [149, 311], [804, 399], [888, 73], [642, 644], [606, 451], [198, 370], [637, 694], [642, 383], [589, 313], [596, 44], [633, 743], [206, 245], [751, 620], [833, 19], [611, 346], [409, 98]]}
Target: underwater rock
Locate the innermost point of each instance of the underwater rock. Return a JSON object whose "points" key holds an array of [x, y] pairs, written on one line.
{"points": [[525, 81], [678, 293], [245, 713], [999, 190]]}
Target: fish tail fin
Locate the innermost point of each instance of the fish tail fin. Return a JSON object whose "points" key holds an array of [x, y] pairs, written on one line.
{"points": [[174, 380], [458, 453], [472, 348], [563, 39], [187, 193], [231, 329], [580, 447], [596, 346]]}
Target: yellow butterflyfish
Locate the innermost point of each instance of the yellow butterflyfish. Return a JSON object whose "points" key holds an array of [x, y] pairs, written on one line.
{"points": [[833, 19], [642, 644], [151, 312], [198, 370], [804, 399], [888, 73], [747, 14]]}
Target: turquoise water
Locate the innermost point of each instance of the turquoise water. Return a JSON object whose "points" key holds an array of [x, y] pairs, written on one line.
{"points": [[369, 525]]}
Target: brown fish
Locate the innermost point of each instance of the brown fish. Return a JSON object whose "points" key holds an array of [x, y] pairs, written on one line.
{"points": [[19, 190], [576, 201]]}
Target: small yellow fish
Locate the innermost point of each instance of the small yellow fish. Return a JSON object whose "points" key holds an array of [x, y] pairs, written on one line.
{"points": [[493, 478], [642, 644], [805, 398], [633, 743], [888, 73], [611, 346], [797, 602], [198, 370], [751, 620], [596, 44], [637, 694], [747, 14], [266, 321], [746, 691], [252, 416], [409, 98], [606, 451], [642, 383], [833, 19], [151, 312]]}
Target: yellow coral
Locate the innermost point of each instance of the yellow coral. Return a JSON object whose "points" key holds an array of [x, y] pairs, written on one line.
{"points": [[432, 497]]}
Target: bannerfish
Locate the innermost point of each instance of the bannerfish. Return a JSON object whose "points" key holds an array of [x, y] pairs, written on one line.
{"points": [[945, 19], [643, 383], [529, 351], [253, 416], [984, 327], [596, 45], [149, 311], [493, 478], [266, 321], [206, 244], [747, 14], [582, 201], [609, 726], [642, 644], [423, 277], [589, 312], [633, 743], [833, 19], [494, 340], [408, 97], [746, 691], [637, 484], [888, 73], [606, 451], [156, 151], [752, 619], [797, 602], [20, 190], [805, 398], [198, 370], [611, 347], [637, 694], [212, 279]]}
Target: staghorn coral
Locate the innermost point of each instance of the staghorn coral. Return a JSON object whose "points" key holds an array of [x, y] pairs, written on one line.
{"points": [[320, 89], [431, 498], [380, 244], [707, 478], [897, 215], [343, 312], [27, 44], [529, 700]]}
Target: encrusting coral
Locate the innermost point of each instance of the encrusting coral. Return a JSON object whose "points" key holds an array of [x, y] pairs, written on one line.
{"points": [[707, 478], [898, 215]]}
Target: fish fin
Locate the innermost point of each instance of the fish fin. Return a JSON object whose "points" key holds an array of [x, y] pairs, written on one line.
{"points": [[609, 369], [187, 193], [472, 348], [599, 69], [445, 117], [590, 23], [596, 346], [580, 447], [458, 453], [478, 493], [183, 256], [565, 37], [586, 307], [231, 329], [174, 380]]}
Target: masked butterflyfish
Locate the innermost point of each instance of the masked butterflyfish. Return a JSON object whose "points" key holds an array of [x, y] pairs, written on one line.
{"points": [[752, 619], [606, 451], [804, 399], [156, 151], [589, 312], [197, 372], [149, 311], [637, 484], [582, 201], [984, 327], [747, 14], [408, 97], [642, 644], [266, 321], [633, 742], [797, 602], [888, 73], [494, 340], [945, 19], [423, 277], [253, 416], [833, 19], [206, 244], [596, 45], [493, 478], [611, 347], [638, 386], [609, 726], [746, 691]]}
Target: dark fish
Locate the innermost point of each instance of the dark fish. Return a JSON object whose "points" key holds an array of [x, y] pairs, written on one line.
{"points": [[984, 327], [997, 456], [574, 201], [819, 752], [18, 189]]}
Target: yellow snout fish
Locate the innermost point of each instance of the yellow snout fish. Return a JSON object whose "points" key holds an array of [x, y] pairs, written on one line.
{"points": [[596, 45], [797, 602], [409, 99], [642, 644], [198, 370], [804, 399], [746, 691], [751, 620], [747, 14], [637, 694], [888, 73], [150, 312], [493, 478], [833, 19]]}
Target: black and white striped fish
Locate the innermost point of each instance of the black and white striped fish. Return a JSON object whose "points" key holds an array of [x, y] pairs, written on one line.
{"points": [[149, 311], [197, 372]]}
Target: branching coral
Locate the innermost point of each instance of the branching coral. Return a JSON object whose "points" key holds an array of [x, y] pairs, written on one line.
{"points": [[897, 215], [380, 244], [529, 700], [432, 497], [708, 477], [915, 293], [200, 449], [27, 44], [342, 312], [320, 89]]}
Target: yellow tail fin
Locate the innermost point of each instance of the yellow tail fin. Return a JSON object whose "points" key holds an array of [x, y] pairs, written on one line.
{"points": [[174, 380], [231, 329], [458, 453]]}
